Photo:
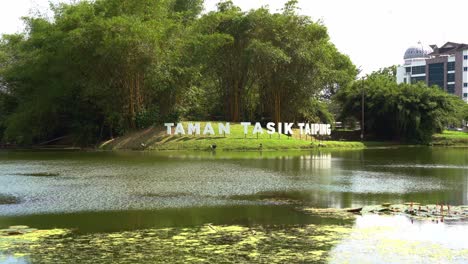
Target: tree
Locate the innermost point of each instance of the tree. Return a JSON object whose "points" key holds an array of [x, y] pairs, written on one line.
{"points": [[388, 72], [228, 60], [271, 63], [295, 62], [405, 112], [97, 66], [102, 68]]}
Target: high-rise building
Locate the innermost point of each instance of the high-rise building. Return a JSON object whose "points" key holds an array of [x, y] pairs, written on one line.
{"points": [[446, 67]]}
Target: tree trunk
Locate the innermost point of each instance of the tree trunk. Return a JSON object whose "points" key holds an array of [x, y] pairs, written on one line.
{"points": [[277, 107], [235, 117], [131, 102]]}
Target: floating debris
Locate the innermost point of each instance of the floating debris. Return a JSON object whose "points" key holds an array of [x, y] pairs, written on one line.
{"points": [[16, 230], [207, 244], [20, 241], [432, 212], [333, 212]]}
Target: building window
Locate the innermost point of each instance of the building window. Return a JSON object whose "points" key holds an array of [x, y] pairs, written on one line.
{"points": [[465, 85], [418, 70], [465, 57], [451, 66], [436, 74], [408, 69], [465, 68], [450, 77], [451, 88], [465, 95], [418, 79]]}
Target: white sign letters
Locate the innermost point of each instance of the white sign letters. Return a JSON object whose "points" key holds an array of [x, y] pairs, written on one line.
{"points": [[271, 128]]}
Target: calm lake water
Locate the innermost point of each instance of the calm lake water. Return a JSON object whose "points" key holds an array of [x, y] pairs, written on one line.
{"points": [[98, 193]]}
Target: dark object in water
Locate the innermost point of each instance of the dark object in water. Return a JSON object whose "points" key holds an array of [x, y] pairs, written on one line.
{"points": [[213, 146], [7, 199], [384, 210], [354, 210], [39, 174]]}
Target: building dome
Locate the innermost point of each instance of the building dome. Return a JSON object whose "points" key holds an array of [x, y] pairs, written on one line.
{"points": [[416, 52]]}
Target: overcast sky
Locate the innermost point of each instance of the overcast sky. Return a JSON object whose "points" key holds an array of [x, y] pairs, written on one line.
{"points": [[373, 33]]}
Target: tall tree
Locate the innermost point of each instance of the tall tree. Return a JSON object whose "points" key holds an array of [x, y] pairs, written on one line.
{"points": [[96, 66], [282, 59], [101, 68], [229, 61], [294, 61]]}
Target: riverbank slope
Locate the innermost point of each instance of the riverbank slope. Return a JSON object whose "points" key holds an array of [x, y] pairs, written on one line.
{"points": [[156, 138], [451, 139]]}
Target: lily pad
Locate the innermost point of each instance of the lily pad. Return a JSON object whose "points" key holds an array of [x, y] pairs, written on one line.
{"points": [[207, 244], [427, 212]]}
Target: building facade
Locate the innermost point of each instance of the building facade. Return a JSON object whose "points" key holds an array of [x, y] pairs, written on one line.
{"points": [[446, 67]]}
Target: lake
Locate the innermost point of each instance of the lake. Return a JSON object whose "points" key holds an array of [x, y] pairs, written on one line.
{"points": [[232, 206]]}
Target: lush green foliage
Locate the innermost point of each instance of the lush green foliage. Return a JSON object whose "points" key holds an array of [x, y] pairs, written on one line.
{"points": [[405, 112], [101, 68], [96, 67], [270, 65]]}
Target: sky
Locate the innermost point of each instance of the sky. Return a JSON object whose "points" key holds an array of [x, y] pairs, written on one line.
{"points": [[374, 34]]}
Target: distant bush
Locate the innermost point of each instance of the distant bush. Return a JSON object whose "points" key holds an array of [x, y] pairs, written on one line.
{"points": [[148, 117], [411, 113]]}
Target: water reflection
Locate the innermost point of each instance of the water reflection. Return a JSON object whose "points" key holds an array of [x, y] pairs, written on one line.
{"points": [[396, 239], [95, 193], [93, 222], [97, 181]]}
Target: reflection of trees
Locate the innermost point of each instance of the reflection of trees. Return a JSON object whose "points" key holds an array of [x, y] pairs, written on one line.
{"points": [[296, 165], [316, 161], [357, 178], [465, 191], [91, 222]]}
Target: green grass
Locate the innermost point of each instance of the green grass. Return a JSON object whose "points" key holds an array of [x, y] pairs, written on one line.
{"points": [[157, 139], [453, 134], [237, 140], [450, 138]]}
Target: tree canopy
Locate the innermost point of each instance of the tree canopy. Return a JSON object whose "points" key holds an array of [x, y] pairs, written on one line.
{"points": [[404, 112], [101, 68], [98, 69]]}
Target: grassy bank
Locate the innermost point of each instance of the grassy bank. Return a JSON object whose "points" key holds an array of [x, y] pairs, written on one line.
{"points": [[451, 138], [157, 139]]}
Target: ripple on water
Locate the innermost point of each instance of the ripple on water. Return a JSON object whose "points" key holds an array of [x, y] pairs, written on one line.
{"points": [[385, 182], [103, 182]]}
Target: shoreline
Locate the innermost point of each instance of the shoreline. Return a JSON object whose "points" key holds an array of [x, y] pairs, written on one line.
{"points": [[156, 139], [380, 145]]}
